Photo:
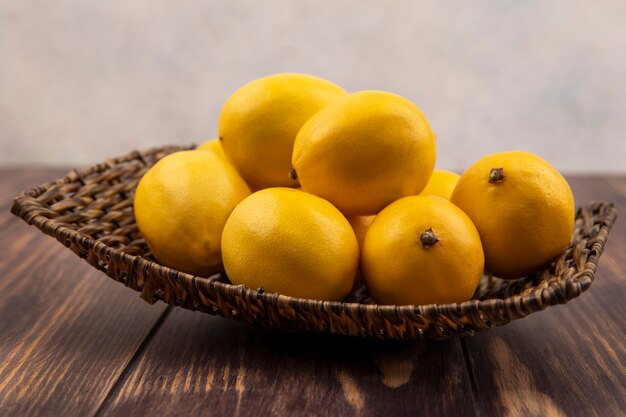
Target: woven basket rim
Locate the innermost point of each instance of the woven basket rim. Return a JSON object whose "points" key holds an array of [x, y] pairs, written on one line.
{"points": [[497, 310]]}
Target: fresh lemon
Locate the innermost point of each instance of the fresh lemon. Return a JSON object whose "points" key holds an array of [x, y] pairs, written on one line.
{"points": [[441, 183], [214, 146], [422, 250], [523, 209], [181, 205], [287, 241], [259, 122], [365, 151], [360, 224]]}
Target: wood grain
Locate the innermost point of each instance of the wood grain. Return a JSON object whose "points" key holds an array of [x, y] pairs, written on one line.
{"points": [[566, 360], [202, 364], [67, 330]]}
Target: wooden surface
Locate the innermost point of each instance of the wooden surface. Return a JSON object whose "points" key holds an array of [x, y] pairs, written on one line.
{"points": [[67, 333], [75, 343]]}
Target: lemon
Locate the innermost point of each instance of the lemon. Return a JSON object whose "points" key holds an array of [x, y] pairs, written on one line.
{"points": [[214, 146], [259, 122], [181, 205], [365, 151], [523, 209], [441, 184], [287, 241], [422, 250], [360, 224]]}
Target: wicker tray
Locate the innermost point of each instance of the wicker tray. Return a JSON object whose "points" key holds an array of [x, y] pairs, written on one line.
{"points": [[90, 212]]}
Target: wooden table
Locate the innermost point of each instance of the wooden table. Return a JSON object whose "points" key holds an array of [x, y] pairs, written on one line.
{"points": [[75, 343]]}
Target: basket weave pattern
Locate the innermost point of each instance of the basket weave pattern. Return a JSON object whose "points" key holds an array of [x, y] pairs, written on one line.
{"points": [[90, 212]]}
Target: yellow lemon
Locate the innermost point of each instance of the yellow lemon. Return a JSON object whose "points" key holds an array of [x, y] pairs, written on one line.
{"points": [[365, 151], [360, 224], [259, 122], [287, 241], [523, 209], [214, 146], [181, 205], [422, 250], [441, 183]]}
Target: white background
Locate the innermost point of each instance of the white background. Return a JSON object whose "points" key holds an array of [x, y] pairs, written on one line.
{"points": [[81, 81]]}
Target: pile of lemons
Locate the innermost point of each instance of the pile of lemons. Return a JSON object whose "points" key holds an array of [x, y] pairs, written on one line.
{"points": [[311, 192]]}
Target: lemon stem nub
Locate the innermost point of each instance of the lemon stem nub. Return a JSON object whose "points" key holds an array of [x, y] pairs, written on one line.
{"points": [[428, 239], [496, 175], [293, 175]]}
